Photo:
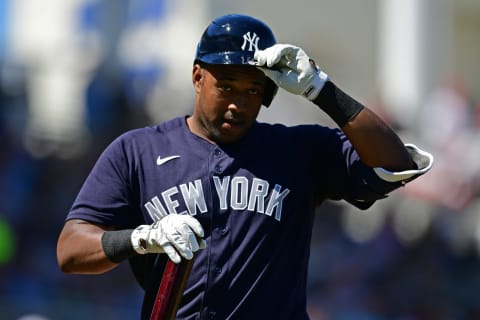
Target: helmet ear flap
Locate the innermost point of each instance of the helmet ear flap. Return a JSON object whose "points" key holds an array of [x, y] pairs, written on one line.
{"points": [[270, 91]]}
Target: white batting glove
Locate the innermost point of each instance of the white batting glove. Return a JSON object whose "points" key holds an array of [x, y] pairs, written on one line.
{"points": [[174, 234], [291, 69]]}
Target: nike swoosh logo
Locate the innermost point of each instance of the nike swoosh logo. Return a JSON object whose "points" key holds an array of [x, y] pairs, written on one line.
{"points": [[161, 160]]}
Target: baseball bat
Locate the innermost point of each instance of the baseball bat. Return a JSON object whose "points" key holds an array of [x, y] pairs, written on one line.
{"points": [[169, 294]]}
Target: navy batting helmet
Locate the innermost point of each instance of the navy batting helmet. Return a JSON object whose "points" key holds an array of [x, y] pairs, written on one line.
{"points": [[233, 39]]}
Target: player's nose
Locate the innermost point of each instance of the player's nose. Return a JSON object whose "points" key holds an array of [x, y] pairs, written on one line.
{"points": [[239, 102]]}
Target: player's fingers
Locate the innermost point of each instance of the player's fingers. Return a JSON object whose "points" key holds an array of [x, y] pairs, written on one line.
{"points": [[194, 225], [273, 57], [189, 237], [282, 55], [290, 52], [260, 58], [275, 75], [186, 253], [268, 57], [180, 240], [171, 253]]}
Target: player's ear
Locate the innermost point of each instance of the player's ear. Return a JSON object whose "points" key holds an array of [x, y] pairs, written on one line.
{"points": [[197, 76]]}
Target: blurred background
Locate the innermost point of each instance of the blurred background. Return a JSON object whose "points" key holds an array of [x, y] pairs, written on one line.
{"points": [[74, 74]]}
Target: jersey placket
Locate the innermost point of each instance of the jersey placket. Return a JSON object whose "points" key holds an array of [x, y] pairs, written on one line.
{"points": [[219, 163]]}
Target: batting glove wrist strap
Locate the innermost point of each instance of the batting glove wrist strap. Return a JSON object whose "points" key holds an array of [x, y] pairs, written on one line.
{"points": [[317, 84], [138, 239], [291, 69], [117, 245]]}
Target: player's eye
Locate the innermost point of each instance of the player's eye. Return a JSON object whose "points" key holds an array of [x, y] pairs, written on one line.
{"points": [[224, 88], [254, 91]]}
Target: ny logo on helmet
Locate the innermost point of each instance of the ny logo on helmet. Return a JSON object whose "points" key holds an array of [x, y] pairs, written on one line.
{"points": [[252, 41]]}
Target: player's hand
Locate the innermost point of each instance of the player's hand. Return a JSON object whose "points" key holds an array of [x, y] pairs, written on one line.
{"points": [[291, 69], [175, 234]]}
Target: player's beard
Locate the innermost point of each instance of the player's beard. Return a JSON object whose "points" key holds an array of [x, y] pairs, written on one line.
{"points": [[227, 130]]}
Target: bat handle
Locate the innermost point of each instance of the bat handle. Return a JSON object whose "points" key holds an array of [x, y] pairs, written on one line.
{"points": [[171, 289]]}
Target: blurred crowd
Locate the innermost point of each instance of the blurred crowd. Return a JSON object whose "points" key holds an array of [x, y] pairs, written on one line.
{"points": [[416, 255]]}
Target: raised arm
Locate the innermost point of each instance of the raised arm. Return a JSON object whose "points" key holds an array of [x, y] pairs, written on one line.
{"points": [[374, 140]]}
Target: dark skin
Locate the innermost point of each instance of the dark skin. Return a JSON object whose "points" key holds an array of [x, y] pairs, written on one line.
{"points": [[228, 99]]}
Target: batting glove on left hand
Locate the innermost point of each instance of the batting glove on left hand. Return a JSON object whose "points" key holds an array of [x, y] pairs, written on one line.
{"points": [[291, 69]]}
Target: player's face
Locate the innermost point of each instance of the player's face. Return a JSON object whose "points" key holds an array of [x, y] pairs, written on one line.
{"points": [[228, 99]]}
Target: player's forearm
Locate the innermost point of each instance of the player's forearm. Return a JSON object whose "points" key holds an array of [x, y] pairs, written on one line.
{"points": [[376, 143], [293, 70], [88, 248], [374, 140], [80, 251]]}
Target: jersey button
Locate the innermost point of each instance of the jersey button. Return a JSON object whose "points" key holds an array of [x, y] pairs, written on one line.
{"points": [[218, 270], [217, 152], [211, 314], [218, 168]]}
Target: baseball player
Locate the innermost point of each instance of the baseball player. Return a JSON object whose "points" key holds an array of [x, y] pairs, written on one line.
{"points": [[243, 191]]}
